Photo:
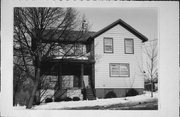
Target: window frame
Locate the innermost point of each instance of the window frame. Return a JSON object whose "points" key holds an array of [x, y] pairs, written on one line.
{"points": [[126, 46], [76, 47], [127, 64], [104, 45]]}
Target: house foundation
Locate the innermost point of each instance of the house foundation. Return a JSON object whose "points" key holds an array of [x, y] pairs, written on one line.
{"points": [[119, 92]]}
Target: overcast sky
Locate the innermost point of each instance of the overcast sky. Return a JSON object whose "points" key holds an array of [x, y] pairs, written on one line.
{"points": [[142, 19]]}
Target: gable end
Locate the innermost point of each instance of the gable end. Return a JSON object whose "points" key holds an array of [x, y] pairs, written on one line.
{"points": [[123, 24]]}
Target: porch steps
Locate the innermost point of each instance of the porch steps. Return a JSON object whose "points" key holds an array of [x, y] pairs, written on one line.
{"points": [[89, 94]]}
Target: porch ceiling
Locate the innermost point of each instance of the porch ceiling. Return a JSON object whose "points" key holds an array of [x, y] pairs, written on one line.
{"points": [[73, 61], [66, 67]]}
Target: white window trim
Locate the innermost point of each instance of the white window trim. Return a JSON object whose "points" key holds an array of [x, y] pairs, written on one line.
{"points": [[125, 46], [110, 70], [105, 51]]}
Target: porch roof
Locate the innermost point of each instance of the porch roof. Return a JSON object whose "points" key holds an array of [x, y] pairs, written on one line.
{"points": [[71, 60]]}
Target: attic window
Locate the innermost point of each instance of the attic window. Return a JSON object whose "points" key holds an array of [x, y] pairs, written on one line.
{"points": [[129, 46], [108, 45]]}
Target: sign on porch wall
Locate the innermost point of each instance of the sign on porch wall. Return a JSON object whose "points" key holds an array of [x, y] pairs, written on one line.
{"points": [[67, 81], [119, 70]]}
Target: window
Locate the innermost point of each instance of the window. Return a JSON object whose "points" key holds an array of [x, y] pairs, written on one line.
{"points": [[108, 45], [129, 46], [73, 49], [68, 49], [78, 49], [119, 70]]}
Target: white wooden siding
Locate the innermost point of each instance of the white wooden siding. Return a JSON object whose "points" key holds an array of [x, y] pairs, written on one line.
{"points": [[102, 77]]}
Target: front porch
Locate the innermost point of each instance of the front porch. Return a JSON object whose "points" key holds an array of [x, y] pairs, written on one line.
{"points": [[70, 78]]}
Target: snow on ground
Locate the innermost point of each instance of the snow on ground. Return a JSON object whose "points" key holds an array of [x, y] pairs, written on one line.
{"points": [[18, 107], [99, 102]]}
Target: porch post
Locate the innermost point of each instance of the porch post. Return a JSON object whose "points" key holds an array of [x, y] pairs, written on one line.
{"points": [[93, 79], [60, 76], [82, 74]]}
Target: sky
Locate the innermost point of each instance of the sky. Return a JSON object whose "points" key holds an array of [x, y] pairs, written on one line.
{"points": [[144, 20]]}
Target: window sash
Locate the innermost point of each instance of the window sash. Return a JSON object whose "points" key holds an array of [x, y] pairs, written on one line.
{"points": [[129, 46], [78, 49], [108, 45], [119, 70]]}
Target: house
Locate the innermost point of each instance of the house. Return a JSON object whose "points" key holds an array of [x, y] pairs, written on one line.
{"points": [[111, 62]]}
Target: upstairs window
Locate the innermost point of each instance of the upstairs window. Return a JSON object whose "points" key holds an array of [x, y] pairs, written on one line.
{"points": [[108, 45], [129, 46], [74, 49], [78, 49], [119, 70]]}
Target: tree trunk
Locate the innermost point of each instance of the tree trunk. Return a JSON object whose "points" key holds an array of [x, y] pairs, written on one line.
{"points": [[151, 87], [31, 100]]}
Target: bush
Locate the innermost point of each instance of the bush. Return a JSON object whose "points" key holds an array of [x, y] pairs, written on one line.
{"points": [[76, 98], [110, 94], [38, 103], [58, 99], [67, 99], [48, 100], [132, 92]]}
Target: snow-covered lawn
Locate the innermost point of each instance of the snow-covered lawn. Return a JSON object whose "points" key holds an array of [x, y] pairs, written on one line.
{"points": [[99, 102]]}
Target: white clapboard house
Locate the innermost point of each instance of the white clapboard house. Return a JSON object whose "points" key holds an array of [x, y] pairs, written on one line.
{"points": [[111, 63]]}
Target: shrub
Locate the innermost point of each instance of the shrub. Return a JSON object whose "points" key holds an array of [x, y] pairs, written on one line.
{"points": [[48, 100], [67, 99], [132, 92], [58, 99], [110, 94], [36, 101], [76, 98]]}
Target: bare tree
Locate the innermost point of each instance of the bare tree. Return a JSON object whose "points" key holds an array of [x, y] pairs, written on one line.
{"points": [[151, 61], [38, 34]]}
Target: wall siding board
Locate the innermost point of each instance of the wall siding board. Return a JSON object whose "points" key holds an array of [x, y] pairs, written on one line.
{"points": [[102, 77]]}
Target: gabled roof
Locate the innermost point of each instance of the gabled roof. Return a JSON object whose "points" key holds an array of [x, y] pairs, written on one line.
{"points": [[123, 24]]}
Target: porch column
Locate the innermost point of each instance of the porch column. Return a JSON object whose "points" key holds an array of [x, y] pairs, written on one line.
{"points": [[82, 74], [60, 76], [93, 76], [93, 79]]}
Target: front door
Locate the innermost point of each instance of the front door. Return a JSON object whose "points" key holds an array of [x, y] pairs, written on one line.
{"points": [[86, 81]]}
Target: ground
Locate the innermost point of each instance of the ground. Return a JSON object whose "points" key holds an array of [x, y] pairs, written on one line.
{"points": [[140, 102], [143, 106]]}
